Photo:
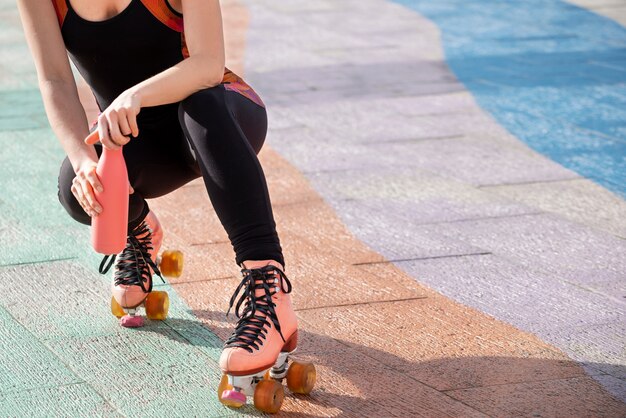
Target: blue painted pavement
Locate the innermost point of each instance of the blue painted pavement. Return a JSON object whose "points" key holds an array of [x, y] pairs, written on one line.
{"points": [[551, 73]]}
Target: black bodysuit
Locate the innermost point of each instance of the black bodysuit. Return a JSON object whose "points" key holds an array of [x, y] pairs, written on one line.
{"points": [[214, 133]]}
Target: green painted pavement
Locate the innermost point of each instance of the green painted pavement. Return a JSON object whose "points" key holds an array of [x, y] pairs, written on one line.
{"points": [[73, 400], [62, 353]]}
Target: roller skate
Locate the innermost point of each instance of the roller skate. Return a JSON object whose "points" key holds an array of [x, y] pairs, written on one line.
{"points": [[256, 357], [134, 268]]}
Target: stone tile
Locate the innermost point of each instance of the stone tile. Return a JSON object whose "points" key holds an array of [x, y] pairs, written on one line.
{"points": [[26, 363], [410, 195], [600, 347], [51, 245], [65, 309], [316, 284], [442, 344], [563, 397], [188, 217], [71, 311], [70, 400], [346, 382], [546, 243], [578, 200], [616, 387], [455, 158], [504, 289], [115, 365]]}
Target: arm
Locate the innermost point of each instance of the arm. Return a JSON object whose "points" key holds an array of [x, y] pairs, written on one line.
{"points": [[56, 81], [60, 96], [203, 68]]}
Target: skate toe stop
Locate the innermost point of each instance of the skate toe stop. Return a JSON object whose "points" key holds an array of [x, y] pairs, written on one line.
{"points": [[131, 321], [233, 398]]}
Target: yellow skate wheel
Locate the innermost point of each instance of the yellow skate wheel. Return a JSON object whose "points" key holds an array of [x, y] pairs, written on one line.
{"points": [[301, 377], [157, 305], [116, 308], [171, 264], [268, 396]]}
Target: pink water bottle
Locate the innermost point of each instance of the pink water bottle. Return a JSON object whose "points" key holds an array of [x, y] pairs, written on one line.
{"points": [[109, 229]]}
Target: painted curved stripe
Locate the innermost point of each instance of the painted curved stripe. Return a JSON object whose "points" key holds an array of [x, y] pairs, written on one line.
{"points": [[551, 73]]}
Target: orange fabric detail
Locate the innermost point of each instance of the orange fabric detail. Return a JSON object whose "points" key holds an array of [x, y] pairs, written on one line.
{"points": [[161, 11], [60, 7], [184, 45], [233, 82]]}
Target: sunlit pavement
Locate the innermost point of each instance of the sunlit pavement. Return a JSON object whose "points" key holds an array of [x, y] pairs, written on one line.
{"points": [[448, 185]]}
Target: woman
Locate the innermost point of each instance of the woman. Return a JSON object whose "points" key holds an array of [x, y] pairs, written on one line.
{"points": [[166, 97]]}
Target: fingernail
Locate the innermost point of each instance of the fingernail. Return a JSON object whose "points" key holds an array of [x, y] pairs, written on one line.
{"points": [[98, 209], [99, 188]]}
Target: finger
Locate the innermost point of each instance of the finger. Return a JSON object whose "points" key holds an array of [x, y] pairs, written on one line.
{"points": [[92, 138], [103, 133], [114, 130], [132, 123], [124, 127], [130, 189], [93, 179], [78, 194], [89, 197]]}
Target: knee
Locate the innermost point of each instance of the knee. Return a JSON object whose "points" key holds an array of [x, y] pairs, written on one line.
{"points": [[201, 101], [66, 197]]}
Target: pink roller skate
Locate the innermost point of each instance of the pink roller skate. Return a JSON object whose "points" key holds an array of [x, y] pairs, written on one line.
{"points": [[255, 359], [132, 282]]}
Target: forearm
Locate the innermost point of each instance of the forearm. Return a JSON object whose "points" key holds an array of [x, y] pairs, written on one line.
{"points": [[180, 81], [67, 118]]}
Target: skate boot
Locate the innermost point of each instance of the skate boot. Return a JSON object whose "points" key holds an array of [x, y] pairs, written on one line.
{"points": [[134, 268], [255, 359]]}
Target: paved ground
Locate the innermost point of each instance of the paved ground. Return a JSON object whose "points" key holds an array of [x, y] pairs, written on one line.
{"points": [[442, 267]]}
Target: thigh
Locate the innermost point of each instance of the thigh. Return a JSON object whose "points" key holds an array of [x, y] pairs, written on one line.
{"points": [[226, 114]]}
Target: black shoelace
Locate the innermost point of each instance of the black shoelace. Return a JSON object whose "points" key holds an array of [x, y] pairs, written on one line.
{"points": [[134, 262], [258, 313]]}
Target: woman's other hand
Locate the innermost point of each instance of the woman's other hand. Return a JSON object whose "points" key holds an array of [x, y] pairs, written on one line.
{"points": [[118, 122]]}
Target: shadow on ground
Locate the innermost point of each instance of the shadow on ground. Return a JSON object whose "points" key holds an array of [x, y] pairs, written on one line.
{"points": [[500, 386]]}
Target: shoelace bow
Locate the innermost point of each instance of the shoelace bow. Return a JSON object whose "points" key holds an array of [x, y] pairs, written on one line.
{"points": [[259, 311], [134, 262]]}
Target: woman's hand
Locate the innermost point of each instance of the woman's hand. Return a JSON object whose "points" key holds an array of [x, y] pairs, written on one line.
{"points": [[83, 186], [118, 122]]}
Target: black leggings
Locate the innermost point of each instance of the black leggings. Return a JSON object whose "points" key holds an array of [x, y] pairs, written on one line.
{"points": [[225, 131]]}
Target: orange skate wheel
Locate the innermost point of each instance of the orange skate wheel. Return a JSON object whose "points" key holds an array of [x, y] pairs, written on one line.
{"points": [[157, 305], [301, 377], [116, 309], [171, 264], [268, 396]]}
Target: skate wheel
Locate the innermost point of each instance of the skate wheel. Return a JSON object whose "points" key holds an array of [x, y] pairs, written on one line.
{"points": [[268, 396], [128, 321], [301, 377], [157, 305], [229, 397], [116, 309], [171, 264]]}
